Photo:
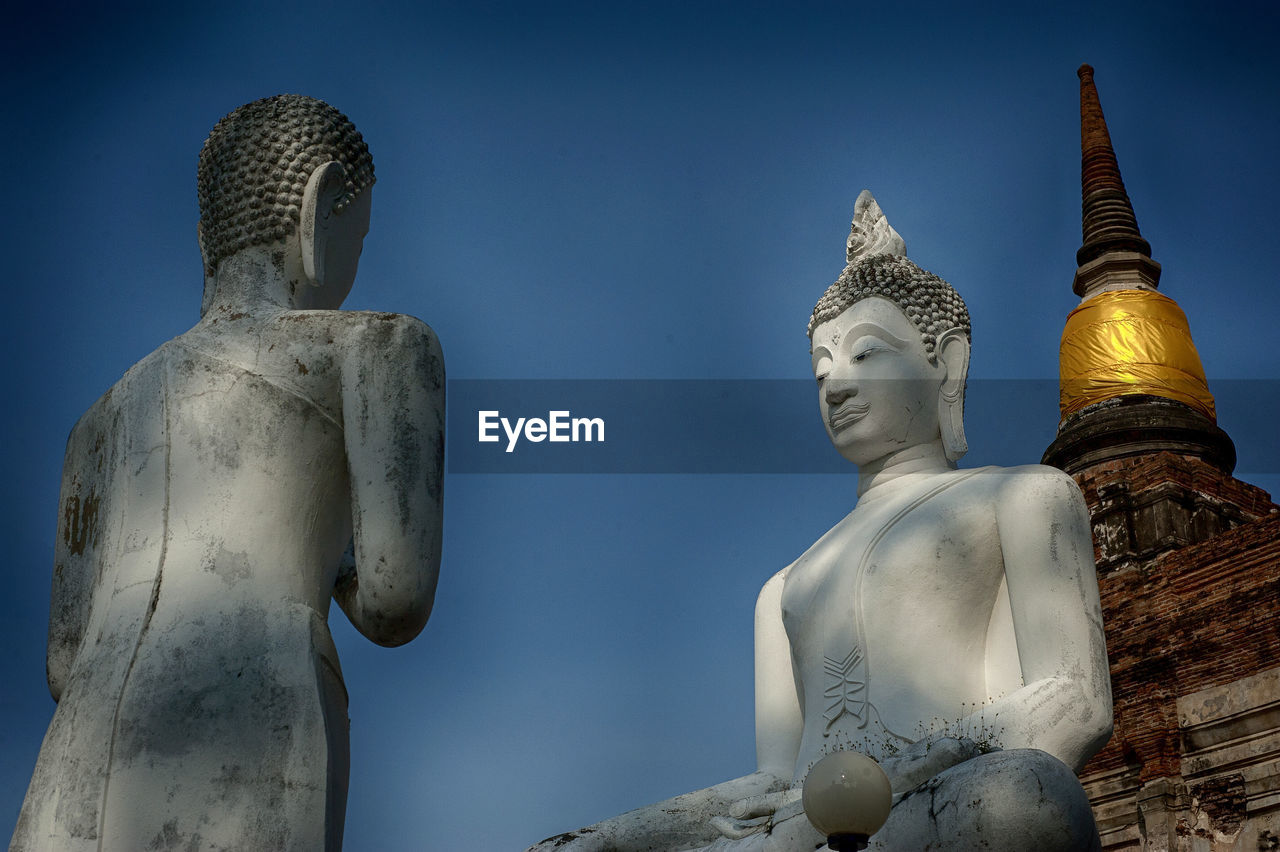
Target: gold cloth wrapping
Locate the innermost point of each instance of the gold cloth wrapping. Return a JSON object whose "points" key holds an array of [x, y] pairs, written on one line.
{"points": [[1130, 342]]}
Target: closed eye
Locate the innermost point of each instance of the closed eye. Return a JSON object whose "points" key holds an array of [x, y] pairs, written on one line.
{"points": [[821, 364]]}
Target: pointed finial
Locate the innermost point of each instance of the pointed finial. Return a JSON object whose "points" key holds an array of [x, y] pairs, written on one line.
{"points": [[871, 233], [1107, 216]]}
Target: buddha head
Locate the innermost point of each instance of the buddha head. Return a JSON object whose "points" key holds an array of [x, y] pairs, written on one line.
{"points": [[890, 347], [283, 168]]}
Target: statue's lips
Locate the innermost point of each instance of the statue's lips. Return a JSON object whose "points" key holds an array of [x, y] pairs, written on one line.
{"points": [[848, 414]]}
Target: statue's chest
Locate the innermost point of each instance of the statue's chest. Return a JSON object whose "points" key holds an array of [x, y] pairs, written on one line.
{"points": [[918, 539], [889, 564], [881, 581], [826, 576]]}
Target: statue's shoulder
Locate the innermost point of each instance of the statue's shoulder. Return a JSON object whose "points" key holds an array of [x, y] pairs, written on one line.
{"points": [[1037, 476], [776, 581], [139, 382], [1030, 485], [365, 326], [375, 334]]}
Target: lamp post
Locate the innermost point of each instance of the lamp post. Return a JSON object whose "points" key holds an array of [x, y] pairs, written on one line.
{"points": [[847, 797]]}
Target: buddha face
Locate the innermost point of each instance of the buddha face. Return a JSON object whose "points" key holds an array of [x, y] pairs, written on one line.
{"points": [[877, 390]]}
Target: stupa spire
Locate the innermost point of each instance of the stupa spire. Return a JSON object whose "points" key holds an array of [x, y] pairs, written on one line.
{"points": [[1107, 215], [1131, 382]]}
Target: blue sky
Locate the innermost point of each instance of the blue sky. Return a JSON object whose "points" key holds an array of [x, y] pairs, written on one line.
{"points": [[615, 191]]}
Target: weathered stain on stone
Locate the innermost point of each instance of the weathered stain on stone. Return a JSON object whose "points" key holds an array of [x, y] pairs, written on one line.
{"points": [[167, 838], [568, 837], [81, 522], [230, 567]]}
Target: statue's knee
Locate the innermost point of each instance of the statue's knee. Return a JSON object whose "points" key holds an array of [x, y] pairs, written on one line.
{"points": [[1027, 799]]}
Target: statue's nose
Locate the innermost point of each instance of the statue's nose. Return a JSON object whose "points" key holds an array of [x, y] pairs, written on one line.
{"points": [[838, 390]]}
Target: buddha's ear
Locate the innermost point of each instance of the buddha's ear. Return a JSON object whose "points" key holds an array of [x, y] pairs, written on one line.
{"points": [[324, 189], [952, 350]]}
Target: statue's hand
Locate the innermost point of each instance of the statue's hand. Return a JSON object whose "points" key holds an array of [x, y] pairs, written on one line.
{"points": [[689, 821], [766, 804], [765, 812], [924, 759], [779, 815], [753, 814]]}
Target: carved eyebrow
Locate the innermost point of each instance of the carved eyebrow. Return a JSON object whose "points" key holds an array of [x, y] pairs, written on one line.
{"points": [[870, 328]]}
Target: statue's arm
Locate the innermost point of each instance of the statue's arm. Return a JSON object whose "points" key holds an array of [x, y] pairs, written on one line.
{"points": [[1064, 706], [779, 716], [393, 396], [73, 554], [681, 822], [690, 820]]}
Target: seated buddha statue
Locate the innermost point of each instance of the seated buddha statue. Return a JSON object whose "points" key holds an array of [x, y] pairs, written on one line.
{"points": [[948, 626]]}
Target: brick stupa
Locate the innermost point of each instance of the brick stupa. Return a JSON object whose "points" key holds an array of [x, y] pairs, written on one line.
{"points": [[1188, 556]]}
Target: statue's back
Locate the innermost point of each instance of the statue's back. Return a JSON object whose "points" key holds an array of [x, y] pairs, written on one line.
{"points": [[109, 547], [207, 500], [188, 645]]}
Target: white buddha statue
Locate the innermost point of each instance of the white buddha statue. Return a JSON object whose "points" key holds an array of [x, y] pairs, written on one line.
{"points": [[948, 626], [207, 501]]}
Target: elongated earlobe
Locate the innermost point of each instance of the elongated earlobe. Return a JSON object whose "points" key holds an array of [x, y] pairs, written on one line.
{"points": [[324, 188], [953, 354]]}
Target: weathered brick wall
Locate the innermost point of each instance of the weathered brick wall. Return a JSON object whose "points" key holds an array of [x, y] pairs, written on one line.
{"points": [[1228, 605], [1189, 572], [1145, 506], [1142, 654], [1145, 471]]}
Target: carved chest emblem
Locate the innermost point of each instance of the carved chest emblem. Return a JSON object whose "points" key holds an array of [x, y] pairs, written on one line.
{"points": [[846, 688]]}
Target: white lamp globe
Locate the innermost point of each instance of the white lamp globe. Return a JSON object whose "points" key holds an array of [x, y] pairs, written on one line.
{"points": [[847, 797]]}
